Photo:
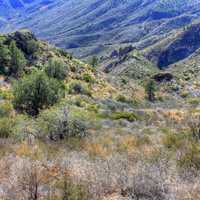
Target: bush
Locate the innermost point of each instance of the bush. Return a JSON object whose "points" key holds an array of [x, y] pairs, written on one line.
{"points": [[130, 116], [190, 157], [25, 128], [32, 47], [193, 123], [17, 61], [57, 124], [124, 99], [94, 61], [72, 191], [77, 128], [6, 127], [56, 69], [88, 78], [6, 109], [4, 58], [150, 89], [172, 140], [78, 88], [35, 92], [149, 183]]}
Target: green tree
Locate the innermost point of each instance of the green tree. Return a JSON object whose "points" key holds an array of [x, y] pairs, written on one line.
{"points": [[18, 60], [4, 58], [32, 47], [150, 90], [56, 69], [35, 92]]}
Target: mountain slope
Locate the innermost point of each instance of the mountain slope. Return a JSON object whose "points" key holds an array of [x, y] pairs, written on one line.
{"points": [[177, 46], [97, 25]]}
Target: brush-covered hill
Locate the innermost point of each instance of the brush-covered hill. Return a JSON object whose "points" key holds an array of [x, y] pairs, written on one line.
{"points": [[129, 63], [178, 53], [22, 54], [36, 55], [68, 130], [92, 27]]}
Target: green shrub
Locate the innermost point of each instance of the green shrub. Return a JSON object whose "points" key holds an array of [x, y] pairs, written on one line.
{"points": [[57, 124], [6, 109], [56, 69], [121, 98], [32, 47], [193, 123], [6, 127], [77, 128], [94, 61], [72, 191], [194, 101], [172, 141], [124, 99], [64, 53], [35, 92], [17, 61], [6, 94], [130, 116], [88, 78], [78, 88], [24, 128], [4, 58], [190, 157], [150, 89]]}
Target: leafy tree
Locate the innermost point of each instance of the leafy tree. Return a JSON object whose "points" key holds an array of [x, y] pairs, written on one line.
{"points": [[32, 47], [56, 69], [150, 90], [4, 58], [18, 60], [35, 92]]}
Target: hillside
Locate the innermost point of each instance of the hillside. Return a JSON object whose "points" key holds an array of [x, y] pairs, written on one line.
{"points": [[177, 46], [71, 131], [129, 63], [143, 21]]}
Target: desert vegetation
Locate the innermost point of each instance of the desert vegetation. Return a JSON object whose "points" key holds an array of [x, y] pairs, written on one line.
{"points": [[69, 132]]}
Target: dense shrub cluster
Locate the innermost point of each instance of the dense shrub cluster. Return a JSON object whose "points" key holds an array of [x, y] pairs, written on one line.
{"points": [[6, 127], [35, 92], [12, 60], [56, 69], [58, 124], [79, 88]]}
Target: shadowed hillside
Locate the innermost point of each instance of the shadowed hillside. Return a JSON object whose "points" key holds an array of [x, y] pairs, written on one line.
{"points": [[90, 27], [175, 47]]}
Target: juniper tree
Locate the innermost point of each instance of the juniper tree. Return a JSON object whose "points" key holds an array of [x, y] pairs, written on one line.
{"points": [[17, 62]]}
